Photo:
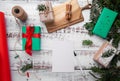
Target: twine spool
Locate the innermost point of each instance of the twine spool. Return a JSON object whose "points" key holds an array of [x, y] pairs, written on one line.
{"points": [[19, 13]]}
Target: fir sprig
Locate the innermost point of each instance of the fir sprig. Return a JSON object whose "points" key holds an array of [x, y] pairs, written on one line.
{"points": [[26, 67], [108, 53], [106, 74], [87, 42], [41, 7]]}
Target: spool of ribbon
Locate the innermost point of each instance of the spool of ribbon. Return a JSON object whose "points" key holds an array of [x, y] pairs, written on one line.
{"points": [[29, 34], [19, 13], [4, 57]]}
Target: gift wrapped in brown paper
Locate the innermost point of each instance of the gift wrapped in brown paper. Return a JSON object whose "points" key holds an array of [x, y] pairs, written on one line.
{"points": [[100, 57], [46, 12]]}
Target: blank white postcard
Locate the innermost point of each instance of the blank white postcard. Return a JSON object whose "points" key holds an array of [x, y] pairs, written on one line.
{"points": [[63, 57]]}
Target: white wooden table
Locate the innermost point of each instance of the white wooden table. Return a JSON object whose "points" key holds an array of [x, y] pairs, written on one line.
{"points": [[75, 33]]}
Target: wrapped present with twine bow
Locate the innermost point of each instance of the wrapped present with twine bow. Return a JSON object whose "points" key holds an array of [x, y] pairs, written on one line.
{"points": [[105, 54], [46, 12]]}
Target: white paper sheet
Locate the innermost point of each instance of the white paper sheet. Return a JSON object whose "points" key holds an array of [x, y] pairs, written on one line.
{"points": [[63, 57]]}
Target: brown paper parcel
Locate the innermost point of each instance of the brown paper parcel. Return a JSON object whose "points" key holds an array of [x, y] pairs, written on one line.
{"points": [[47, 17]]}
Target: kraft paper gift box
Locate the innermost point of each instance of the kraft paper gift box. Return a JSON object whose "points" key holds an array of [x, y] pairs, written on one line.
{"points": [[34, 38], [47, 16], [104, 61]]}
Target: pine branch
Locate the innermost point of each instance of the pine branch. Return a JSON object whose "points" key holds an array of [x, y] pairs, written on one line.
{"points": [[26, 67], [113, 63], [111, 73], [108, 53], [41, 7], [87, 42], [97, 6], [107, 74]]}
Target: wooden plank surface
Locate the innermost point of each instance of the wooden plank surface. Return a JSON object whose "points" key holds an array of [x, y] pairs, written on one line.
{"points": [[48, 76]]}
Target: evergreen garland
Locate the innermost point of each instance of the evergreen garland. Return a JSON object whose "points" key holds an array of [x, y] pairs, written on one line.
{"points": [[112, 72], [97, 6]]}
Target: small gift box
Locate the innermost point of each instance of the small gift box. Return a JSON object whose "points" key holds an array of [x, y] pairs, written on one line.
{"points": [[105, 54], [31, 39], [104, 22], [46, 12]]}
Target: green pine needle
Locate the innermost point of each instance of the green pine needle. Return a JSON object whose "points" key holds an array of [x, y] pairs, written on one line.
{"points": [[108, 53], [41, 7], [16, 56], [26, 67], [87, 42]]}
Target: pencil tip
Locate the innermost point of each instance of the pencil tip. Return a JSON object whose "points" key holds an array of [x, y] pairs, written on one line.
{"points": [[75, 54]]}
